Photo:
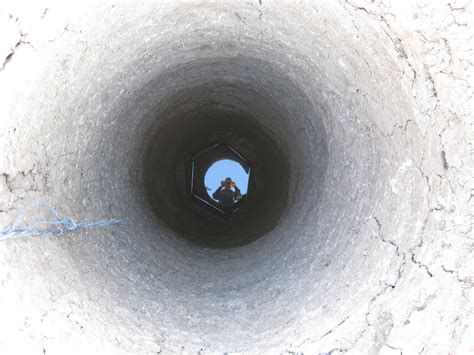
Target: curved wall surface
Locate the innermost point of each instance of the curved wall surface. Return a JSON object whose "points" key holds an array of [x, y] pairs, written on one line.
{"points": [[357, 118]]}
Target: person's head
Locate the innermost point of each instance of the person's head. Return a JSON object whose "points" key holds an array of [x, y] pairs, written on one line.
{"points": [[228, 183]]}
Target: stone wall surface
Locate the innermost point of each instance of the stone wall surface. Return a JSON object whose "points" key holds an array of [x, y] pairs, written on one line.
{"points": [[369, 104]]}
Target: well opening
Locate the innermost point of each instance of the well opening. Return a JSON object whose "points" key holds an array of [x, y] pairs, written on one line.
{"points": [[342, 243]]}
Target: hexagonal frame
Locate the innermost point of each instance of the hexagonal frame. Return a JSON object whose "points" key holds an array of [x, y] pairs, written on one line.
{"points": [[201, 162]]}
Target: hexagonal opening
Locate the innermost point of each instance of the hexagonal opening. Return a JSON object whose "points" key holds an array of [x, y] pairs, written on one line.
{"points": [[220, 178]]}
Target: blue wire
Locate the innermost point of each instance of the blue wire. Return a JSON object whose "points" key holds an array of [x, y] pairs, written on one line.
{"points": [[58, 225]]}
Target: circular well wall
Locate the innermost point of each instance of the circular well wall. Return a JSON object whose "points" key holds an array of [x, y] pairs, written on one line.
{"points": [[336, 254]]}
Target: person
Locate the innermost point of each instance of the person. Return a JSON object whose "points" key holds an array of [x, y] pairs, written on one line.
{"points": [[224, 193]]}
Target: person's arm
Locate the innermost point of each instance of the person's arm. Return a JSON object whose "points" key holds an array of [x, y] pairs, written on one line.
{"points": [[237, 191], [216, 195]]}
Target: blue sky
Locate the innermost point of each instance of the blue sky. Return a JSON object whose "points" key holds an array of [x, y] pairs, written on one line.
{"points": [[226, 168]]}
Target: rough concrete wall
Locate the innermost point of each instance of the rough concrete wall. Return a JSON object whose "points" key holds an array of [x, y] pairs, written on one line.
{"points": [[377, 258]]}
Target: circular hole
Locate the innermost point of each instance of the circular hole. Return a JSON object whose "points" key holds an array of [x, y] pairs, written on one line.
{"points": [[219, 172]]}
